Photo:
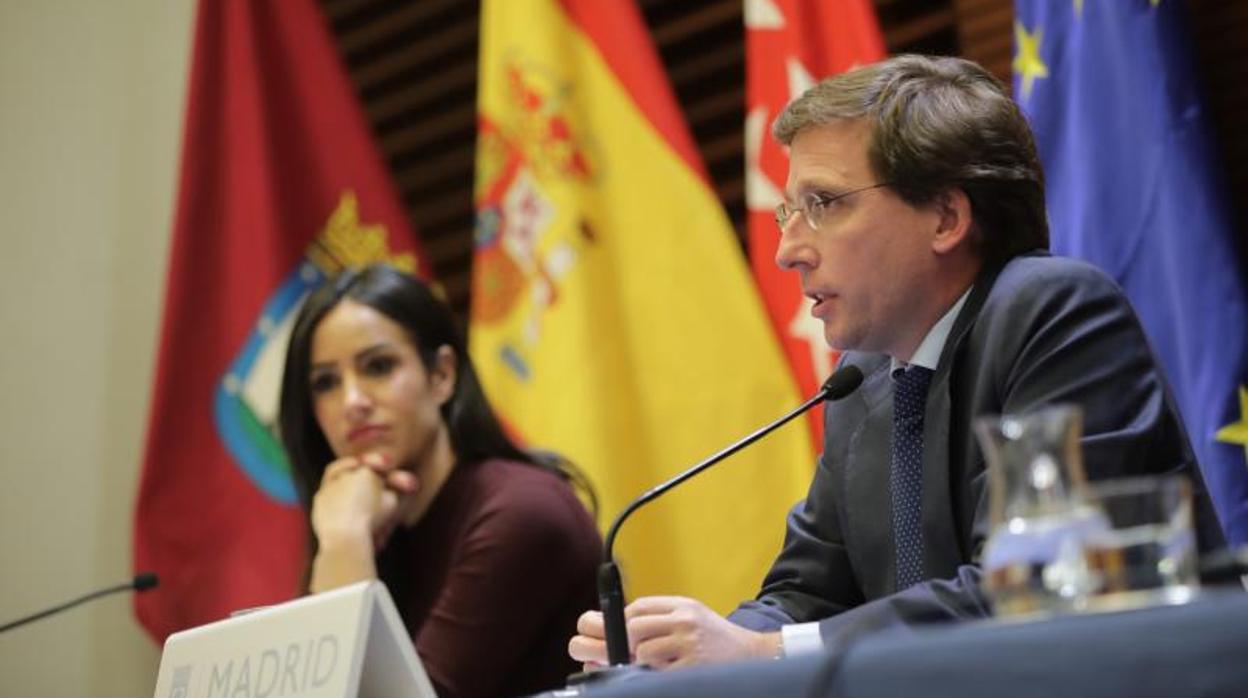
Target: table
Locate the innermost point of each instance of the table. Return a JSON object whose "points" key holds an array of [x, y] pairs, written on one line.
{"points": [[1198, 649]]}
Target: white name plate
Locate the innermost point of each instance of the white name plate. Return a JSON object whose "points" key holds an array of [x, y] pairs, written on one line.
{"points": [[344, 643]]}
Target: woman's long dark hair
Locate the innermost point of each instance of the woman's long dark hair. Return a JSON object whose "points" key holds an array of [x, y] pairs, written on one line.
{"points": [[475, 432]]}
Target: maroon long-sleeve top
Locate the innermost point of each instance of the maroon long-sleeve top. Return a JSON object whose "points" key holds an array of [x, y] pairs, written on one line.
{"points": [[491, 581]]}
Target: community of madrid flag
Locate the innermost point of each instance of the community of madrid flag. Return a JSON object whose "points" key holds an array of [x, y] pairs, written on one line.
{"points": [[1134, 186], [281, 185], [790, 45], [613, 316]]}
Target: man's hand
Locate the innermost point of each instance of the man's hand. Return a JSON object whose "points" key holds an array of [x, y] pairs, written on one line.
{"points": [[667, 632]]}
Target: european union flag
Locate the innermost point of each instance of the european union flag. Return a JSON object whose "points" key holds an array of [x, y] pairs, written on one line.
{"points": [[1134, 186]]}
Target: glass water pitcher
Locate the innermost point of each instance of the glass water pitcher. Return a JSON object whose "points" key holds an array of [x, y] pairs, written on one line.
{"points": [[1033, 559]]}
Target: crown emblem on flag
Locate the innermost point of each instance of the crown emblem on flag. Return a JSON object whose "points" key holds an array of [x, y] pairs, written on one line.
{"points": [[346, 242]]}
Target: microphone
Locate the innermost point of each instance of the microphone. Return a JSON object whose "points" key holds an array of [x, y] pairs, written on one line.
{"points": [[611, 590], [141, 582]]}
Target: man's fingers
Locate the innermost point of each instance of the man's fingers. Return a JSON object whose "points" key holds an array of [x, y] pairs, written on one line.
{"points": [[643, 628], [590, 624], [660, 652], [667, 632], [653, 605], [587, 650]]}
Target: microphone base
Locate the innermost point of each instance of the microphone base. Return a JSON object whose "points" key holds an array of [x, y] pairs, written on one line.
{"points": [[583, 681]]}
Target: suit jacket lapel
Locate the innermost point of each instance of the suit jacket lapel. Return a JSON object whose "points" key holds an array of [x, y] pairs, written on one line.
{"points": [[866, 500], [941, 550]]}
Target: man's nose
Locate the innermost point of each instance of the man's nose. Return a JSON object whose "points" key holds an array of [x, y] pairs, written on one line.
{"points": [[794, 250]]}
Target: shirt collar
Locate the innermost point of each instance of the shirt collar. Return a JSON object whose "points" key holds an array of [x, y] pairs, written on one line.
{"points": [[928, 353]]}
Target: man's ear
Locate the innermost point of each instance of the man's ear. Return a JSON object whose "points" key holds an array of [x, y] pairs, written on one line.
{"points": [[443, 373], [955, 223]]}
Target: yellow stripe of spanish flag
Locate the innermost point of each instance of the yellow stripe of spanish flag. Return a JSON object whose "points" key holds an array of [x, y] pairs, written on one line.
{"points": [[613, 317]]}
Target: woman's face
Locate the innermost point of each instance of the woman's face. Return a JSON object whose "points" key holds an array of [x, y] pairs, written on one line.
{"points": [[370, 389]]}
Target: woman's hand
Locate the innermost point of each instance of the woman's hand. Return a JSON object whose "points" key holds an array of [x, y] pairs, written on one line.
{"points": [[360, 496], [354, 512]]}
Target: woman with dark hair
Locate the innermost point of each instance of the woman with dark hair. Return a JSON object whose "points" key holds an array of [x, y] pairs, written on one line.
{"points": [[407, 477]]}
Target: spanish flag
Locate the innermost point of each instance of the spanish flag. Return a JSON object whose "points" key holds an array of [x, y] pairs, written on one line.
{"points": [[614, 319]]}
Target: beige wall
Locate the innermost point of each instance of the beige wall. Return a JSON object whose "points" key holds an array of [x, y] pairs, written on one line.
{"points": [[91, 99]]}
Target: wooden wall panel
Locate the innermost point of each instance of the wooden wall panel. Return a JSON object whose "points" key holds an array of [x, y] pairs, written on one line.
{"points": [[415, 66], [986, 34]]}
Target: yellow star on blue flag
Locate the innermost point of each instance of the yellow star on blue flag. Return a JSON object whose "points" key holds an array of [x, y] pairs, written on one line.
{"points": [[1027, 62], [1237, 432]]}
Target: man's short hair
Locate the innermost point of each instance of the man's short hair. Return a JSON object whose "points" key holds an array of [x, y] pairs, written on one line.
{"points": [[937, 124]]}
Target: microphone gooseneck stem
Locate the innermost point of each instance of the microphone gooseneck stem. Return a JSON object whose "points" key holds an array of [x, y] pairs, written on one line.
{"points": [[654, 492], [611, 590], [141, 582]]}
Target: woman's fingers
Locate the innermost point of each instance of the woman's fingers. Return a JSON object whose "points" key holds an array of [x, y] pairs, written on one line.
{"points": [[403, 482]]}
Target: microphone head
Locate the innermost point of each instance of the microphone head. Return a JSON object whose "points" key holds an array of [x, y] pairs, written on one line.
{"points": [[842, 382], [144, 581]]}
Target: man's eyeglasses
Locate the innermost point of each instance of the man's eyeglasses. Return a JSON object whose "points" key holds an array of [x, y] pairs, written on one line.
{"points": [[816, 207]]}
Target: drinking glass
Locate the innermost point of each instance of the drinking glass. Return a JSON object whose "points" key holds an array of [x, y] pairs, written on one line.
{"points": [[1146, 554]]}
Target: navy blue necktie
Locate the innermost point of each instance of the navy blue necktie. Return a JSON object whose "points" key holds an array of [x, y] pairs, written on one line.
{"points": [[905, 474]]}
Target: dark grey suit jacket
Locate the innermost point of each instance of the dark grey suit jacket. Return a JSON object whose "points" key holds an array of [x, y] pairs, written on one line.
{"points": [[1038, 331]]}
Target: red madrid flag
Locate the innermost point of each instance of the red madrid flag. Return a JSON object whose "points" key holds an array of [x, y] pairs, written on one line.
{"points": [[281, 185], [790, 45]]}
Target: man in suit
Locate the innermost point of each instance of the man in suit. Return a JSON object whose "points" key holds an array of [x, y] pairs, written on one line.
{"points": [[915, 219]]}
